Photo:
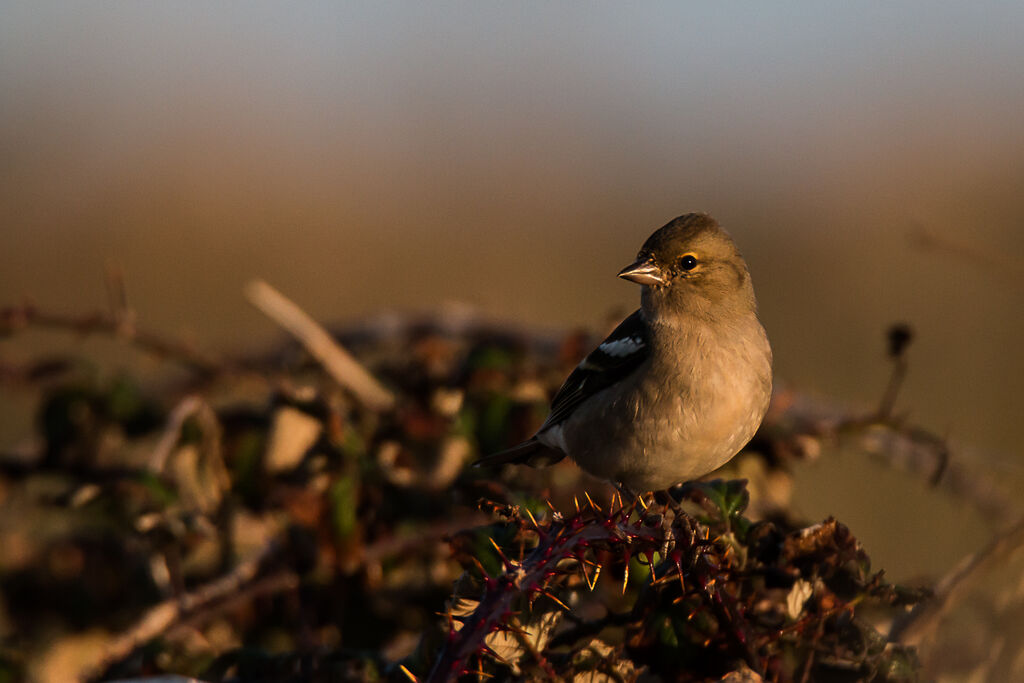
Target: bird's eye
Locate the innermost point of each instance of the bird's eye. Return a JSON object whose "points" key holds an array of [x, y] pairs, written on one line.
{"points": [[688, 262]]}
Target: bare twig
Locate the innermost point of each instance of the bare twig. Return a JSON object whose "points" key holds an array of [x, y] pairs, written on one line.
{"points": [[987, 261], [908, 448], [434, 532], [172, 432], [273, 584], [206, 480], [899, 337], [918, 627], [338, 363], [16, 318], [159, 618], [117, 293]]}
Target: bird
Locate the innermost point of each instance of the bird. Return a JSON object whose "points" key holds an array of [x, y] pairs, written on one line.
{"points": [[680, 385]]}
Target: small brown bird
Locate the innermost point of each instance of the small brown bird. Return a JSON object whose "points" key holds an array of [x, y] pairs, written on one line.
{"points": [[681, 385]]}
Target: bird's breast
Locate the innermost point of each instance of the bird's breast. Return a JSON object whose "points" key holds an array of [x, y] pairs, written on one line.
{"points": [[697, 409]]}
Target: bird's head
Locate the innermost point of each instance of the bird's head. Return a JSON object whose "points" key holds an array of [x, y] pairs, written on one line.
{"points": [[692, 266]]}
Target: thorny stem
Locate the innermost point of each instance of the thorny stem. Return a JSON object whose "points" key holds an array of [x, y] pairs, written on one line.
{"points": [[572, 537], [728, 612], [559, 539], [537, 655]]}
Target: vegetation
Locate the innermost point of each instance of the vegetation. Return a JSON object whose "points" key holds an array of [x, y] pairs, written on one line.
{"points": [[279, 518]]}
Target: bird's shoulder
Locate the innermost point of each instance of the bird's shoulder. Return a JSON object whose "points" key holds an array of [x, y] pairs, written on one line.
{"points": [[614, 359]]}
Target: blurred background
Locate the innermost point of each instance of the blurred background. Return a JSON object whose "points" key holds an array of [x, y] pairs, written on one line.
{"points": [[869, 160]]}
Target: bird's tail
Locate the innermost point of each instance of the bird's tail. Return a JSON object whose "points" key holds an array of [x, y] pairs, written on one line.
{"points": [[531, 452]]}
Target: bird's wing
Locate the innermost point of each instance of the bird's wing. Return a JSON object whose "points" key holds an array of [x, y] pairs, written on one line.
{"points": [[530, 452], [624, 350], [617, 356]]}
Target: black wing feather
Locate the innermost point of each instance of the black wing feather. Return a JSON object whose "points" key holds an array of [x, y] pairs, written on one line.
{"points": [[531, 452], [602, 367]]}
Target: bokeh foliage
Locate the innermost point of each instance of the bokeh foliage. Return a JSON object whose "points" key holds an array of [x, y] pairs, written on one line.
{"points": [[254, 522]]}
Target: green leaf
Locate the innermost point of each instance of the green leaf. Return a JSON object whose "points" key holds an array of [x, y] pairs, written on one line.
{"points": [[730, 496], [125, 404], [246, 463], [344, 497], [490, 358], [161, 492]]}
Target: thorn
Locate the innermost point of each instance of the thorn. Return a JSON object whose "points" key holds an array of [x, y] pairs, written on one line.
{"points": [[550, 505], [504, 560], [677, 557], [590, 500], [577, 502], [479, 670], [625, 575], [650, 563], [643, 504], [597, 573], [552, 596], [508, 628], [487, 577], [533, 520], [491, 653], [583, 568], [408, 673]]}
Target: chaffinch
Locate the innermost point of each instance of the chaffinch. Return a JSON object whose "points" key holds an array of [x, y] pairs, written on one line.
{"points": [[681, 385]]}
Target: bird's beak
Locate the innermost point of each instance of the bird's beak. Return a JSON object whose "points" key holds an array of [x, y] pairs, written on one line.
{"points": [[644, 272]]}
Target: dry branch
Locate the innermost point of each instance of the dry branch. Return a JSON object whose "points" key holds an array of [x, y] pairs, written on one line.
{"points": [[338, 363], [159, 618], [16, 318], [919, 627]]}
